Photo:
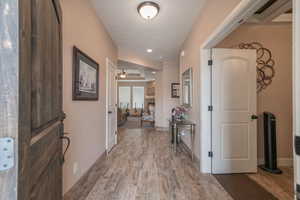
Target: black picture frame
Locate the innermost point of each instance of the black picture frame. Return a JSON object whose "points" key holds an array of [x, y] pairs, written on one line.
{"points": [[175, 90], [85, 77]]}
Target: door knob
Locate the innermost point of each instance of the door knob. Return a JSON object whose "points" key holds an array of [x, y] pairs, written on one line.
{"points": [[254, 117], [109, 112]]}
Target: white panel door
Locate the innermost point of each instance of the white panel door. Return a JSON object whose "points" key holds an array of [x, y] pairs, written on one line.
{"points": [[234, 132], [111, 92]]}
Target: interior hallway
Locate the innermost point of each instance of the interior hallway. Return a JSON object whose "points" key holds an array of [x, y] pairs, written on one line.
{"points": [[143, 167]]}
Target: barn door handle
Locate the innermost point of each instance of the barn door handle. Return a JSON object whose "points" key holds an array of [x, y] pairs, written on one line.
{"points": [[253, 117], [68, 145]]}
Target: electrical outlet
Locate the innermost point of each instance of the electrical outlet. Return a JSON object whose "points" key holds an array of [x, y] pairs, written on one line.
{"points": [[75, 168]]}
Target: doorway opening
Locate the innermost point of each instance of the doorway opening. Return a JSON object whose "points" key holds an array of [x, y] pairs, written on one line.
{"points": [[135, 96], [237, 141], [111, 102]]}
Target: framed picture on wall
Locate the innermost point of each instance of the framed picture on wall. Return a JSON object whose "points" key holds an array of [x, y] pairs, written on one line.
{"points": [[85, 77], [175, 90]]}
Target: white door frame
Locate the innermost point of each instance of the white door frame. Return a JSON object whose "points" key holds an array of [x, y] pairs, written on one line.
{"points": [[242, 12], [296, 85], [108, 64]]}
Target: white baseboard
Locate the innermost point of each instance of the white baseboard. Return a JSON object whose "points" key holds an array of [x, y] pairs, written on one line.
{"points": [[283, 162]]}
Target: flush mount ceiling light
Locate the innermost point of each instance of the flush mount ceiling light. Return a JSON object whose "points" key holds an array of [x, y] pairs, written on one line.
{"points": [[149, 50], [148, 10]]}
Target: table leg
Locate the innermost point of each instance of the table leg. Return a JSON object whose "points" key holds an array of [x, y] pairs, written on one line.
{"points": [[171, 129], [175, 137], [192, 140]]}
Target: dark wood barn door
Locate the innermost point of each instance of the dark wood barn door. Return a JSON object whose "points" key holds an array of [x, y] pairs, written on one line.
{"points": [[41, 115]]}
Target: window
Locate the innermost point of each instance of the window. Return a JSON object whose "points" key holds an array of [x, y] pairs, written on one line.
{"points": [[131, 97], [137, 97], [124, 97]]}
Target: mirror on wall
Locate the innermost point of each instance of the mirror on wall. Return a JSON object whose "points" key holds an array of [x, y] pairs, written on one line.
{"points": [[187, 88]]}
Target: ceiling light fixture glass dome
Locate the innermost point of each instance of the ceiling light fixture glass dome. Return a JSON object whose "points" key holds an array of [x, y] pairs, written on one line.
{"points": [[123, 74], [148, 10]]}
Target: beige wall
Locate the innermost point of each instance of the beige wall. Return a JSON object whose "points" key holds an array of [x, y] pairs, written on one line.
{"points": [[163, 100], [277, 98], [129, 56], [85, 119], [212, 14]]}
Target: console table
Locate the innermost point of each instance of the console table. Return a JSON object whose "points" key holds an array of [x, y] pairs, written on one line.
{"points": [[175, 125]]}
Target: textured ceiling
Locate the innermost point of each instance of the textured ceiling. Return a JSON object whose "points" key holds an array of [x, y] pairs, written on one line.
{"points": [[164, 34]]}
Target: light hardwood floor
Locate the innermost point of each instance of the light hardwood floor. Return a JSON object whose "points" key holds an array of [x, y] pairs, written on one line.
{"points": [[280, 185], [143, 167]]}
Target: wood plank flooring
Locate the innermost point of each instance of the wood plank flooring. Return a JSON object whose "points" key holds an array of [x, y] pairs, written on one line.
{"points": [[143, 167], [280, 185]]}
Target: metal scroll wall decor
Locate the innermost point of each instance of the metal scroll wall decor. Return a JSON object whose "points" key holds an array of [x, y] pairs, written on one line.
{"points": [[265, 64]]}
